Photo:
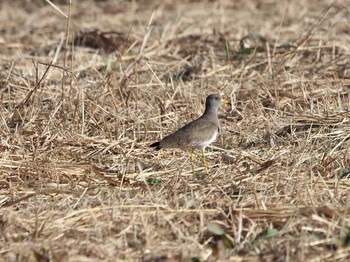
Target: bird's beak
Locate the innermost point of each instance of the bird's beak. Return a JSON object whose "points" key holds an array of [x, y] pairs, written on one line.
{"points": [[224, 101]]}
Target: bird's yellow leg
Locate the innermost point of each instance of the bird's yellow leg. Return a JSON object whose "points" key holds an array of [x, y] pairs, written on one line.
{"points": [[192, 160], [204, 162]]}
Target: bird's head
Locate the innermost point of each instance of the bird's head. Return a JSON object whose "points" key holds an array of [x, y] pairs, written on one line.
{"points": [[214, 101]]}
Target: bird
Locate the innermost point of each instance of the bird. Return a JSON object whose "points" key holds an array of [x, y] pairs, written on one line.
{"points": [[197, 134]]}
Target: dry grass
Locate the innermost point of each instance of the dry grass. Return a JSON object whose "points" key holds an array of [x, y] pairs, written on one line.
{"points": [[77, 179]]}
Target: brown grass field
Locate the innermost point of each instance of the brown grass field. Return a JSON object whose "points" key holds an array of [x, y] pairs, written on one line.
{"points": [[86, 87]]}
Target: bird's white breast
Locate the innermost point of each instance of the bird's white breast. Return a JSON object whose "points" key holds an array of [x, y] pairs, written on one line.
{"points": [[204, 144]]}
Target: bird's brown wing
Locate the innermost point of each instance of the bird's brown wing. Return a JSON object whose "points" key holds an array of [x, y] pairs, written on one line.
{"points": [[190, 135]]}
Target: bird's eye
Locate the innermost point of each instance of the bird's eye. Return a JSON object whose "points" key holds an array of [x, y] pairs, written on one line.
{"points": [[216, 98]]}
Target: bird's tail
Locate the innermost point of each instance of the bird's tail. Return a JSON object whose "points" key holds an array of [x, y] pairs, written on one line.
{"points": [[156, 145]]}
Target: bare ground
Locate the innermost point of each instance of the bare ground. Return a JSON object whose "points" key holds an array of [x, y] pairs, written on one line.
{"points": [[85, 90]]}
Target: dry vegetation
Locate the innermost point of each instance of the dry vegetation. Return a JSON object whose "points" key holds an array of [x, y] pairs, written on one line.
{"points": [[85, 91]]}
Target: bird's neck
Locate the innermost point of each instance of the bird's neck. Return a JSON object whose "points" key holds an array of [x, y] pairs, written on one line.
{"points": [[212, 116], [211, 111]]}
